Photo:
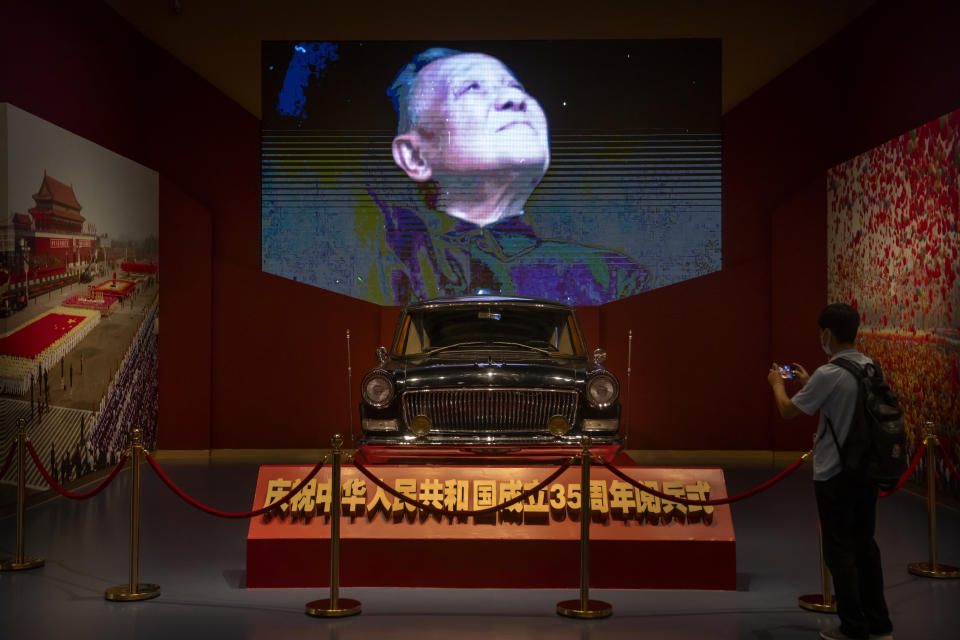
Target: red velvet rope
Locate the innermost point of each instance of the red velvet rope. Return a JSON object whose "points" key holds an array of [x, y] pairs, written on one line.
{"points": [[9, 460], [909, 472], [943, 451], [227, 514], [446, 512], [67, 494], [740, 496]]}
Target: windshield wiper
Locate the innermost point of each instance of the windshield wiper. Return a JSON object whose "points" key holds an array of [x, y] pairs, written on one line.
{"points": [[525, 346], [490, 342], [449, 346]]}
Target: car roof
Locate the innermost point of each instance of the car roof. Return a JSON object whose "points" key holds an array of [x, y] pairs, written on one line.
{"points": [[486, 300]]}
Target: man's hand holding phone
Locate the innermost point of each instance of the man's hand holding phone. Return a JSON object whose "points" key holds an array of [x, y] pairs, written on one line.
{"points": [[800, 374], [779, 374]]}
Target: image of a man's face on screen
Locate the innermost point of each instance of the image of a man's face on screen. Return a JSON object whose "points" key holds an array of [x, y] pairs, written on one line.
{"points": [[468, 126], [475, 145], [472, 115]]}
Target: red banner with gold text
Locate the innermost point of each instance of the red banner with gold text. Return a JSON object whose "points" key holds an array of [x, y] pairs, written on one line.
{"points": [[632, 531]]}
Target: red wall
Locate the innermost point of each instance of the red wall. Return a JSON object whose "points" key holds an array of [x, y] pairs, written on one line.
{"points": [[252, 360], [280, 377], [185, 355]]}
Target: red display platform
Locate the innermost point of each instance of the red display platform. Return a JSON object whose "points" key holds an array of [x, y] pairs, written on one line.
{"points": [[637, 540]]}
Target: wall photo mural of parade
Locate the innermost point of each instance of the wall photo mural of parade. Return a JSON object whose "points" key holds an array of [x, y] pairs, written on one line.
{"points": [[894, 253], [79, 299]]}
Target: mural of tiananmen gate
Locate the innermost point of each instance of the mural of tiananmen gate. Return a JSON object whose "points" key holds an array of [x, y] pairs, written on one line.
{"points": [[79, 300]]}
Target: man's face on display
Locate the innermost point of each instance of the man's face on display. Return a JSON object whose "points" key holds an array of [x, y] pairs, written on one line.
{"points": [[475, 117]]}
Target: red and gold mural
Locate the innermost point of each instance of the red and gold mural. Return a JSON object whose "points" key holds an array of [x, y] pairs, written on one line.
{"points": [[893, 252]]}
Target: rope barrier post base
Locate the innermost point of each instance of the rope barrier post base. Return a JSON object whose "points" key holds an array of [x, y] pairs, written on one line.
{"points": [[21, 562], [927, 570], [11, 564], [325, 608], [134, 590], [932, 569], [584, 608], [123, 593], [816, 602], [588, 610], [334, 606]]}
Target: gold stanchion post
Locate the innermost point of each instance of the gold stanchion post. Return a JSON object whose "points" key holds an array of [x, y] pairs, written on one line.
{"points": [[932, 569], [134, 590], [334, 606], [584, 607], [21, 562], [822, 602]]}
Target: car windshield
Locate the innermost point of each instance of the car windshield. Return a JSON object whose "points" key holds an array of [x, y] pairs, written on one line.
{"points": [[550, 331]]}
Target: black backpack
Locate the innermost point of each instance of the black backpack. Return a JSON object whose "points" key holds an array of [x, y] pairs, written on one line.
{"points": [[876, 443]]}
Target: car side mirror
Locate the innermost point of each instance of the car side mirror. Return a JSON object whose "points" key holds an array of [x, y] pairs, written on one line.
{"points": [[599, 357], [381, 354]]}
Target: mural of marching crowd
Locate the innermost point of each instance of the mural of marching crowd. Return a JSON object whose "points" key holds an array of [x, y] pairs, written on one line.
{"points": [[79, 300], [894, 251]]}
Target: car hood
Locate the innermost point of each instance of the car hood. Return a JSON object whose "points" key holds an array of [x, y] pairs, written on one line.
{"points": [[553, 373]]}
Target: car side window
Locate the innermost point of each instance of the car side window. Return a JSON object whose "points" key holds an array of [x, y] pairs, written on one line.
{"points": [[416, 339], [563, 342]]}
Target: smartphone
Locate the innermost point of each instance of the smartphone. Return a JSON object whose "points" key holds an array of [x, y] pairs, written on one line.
{"points": [[787, 372]]}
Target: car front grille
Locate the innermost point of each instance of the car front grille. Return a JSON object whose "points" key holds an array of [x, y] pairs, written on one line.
{"points": [[489, 411]]}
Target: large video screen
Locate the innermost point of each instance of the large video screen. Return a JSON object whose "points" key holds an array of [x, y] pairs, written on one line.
{"points": [[579, 171]]}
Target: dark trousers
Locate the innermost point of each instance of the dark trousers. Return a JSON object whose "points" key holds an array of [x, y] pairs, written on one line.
{"points": [[848, 508]]}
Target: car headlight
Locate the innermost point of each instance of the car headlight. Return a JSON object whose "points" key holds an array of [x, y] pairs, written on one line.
{"points": [[377, 390], [602, 390]]}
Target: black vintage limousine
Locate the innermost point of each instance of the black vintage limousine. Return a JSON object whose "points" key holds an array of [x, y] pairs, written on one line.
{"points": [[487, 376]]}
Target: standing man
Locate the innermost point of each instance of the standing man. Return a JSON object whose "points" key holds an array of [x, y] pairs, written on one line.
{"points": [[846, 501]]}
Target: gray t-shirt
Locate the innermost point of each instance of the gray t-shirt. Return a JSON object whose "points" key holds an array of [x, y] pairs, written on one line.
{"points": [[833, 391]]}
